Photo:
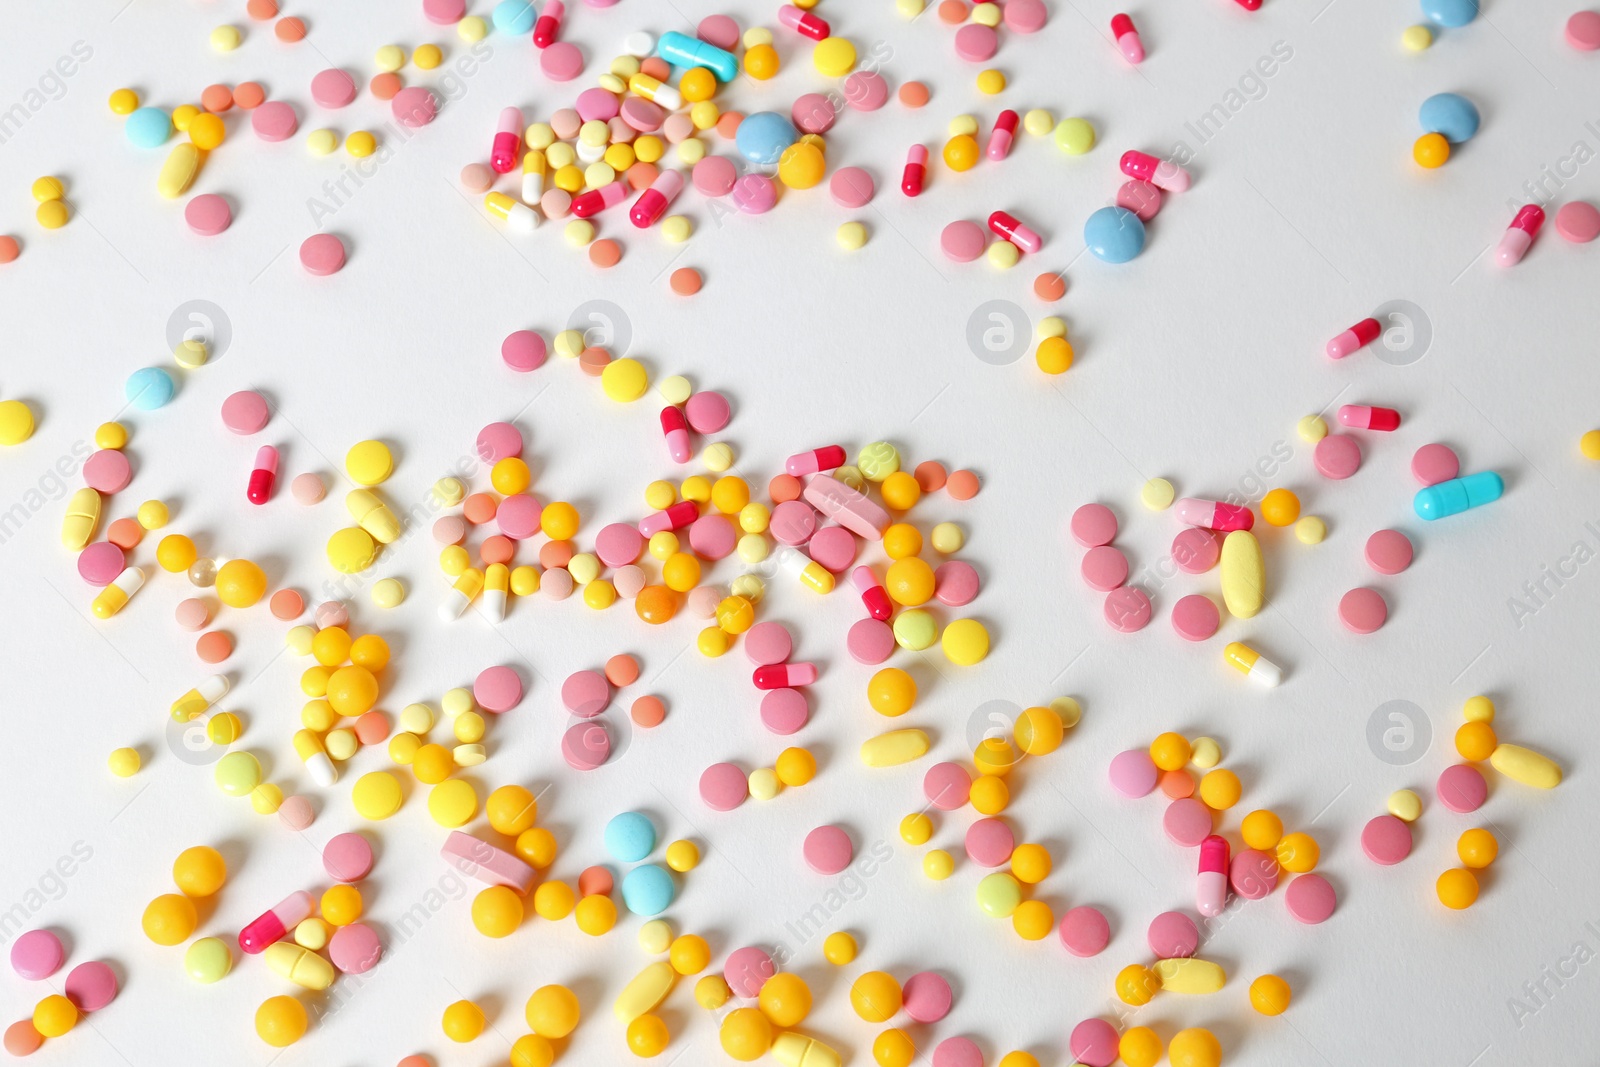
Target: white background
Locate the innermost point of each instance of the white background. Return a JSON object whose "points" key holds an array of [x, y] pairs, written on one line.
{"points": [[1193, 363]]}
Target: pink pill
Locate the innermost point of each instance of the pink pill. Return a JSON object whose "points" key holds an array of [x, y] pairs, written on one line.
{"points": [[274, 121], [37, 954], [1172, 935], [100, 563], [784, 711], [747, 970], [354, 948], [812, 113], [957, 1052], [618, 544], [834, 547], [498, 689], [989, 842], [870, 641], [561, 61], [1388, 552], [1196, 551], [976, 42], [1187, 822], [1363, 610], [1310, 899], [793, 522], [207, 214], [107, 471], [1578, 221], [497, 441], [1337, 456], [767, 643], [955, 583], [723, 787], [193, 614], [586, 693], [524, 350], [1104, 568], [643, 115], [347, 857], [556, 203], [851, 187], [713, 536], [1139, 197], [245, 412], [596, 105], [719, 31], [1094, 525], [1025, 16], [332, 613], [91, 986], [1583, 31], [307, 489], [1084, 931], [415, 106], [1461, 788], [926, 997], [714, 176], [444, 12], [703, 601], [1094, 1043], [707, 412], [1435, 463], [1386, 840], [865, 90], [518, 516], [450, 530], [629, 581], [322, 254], [332, 89], [947, 786], [296, 812], [1127, 610], [1134, 773], [962, 241], [585, 746], [566, 123], [828, 850], [1195, 617], [1253, 874], [754, 194]]}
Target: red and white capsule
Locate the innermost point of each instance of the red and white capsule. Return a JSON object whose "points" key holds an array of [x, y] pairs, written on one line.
{"points": [[507, 135], [1363, 417], [676, 430], [265, 475], [1005, 131], [654, 201], [826, 458], [1161, 173], [676, 517], [916, 170], [1211, 882], [804, 23], [1214, 515], [873, 594], [1360, 335], [1519, 235], [1008, 228], [549, 24], [1127, 36], [784, 675]]}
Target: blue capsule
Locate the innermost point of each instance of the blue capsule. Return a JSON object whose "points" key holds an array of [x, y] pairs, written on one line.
{"points": [[1449, 114], [1450, 14], [1114, 234], [1457, 495]]}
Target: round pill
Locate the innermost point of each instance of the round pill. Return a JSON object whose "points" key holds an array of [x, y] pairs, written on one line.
{"points": [[213, 647], [245, 412], [747, 969], [322, 254], [100, 563], [207, 214], [307, 488], [333, 88], [354, 948], [1461, 788], [989, 842], [1127, 609], [1386, 840], [926, 997], [851, 187], [714, 176], [947, 786], [962, 241], [1114, 234], [1093, 525], [1094, 1043], [1195, 617], [784, 711], [1187, 822], [827, 850], [1173, 935], [1253, 874], [347, 857], [274, 121], [768, 643], [149, 388], [1104, 568], [585, 746], [1084, 931], [37, 954], [1578, 220], [561, 61], [585, 693], [1450, 114], [707, 412], [498, 441], [1583, 31], [1196, 550], [976, 43], [1363, 610], [1310, 899], [1133, 773], [286, 604], [523, 350], [296, 813], [1139, 197], [192, 614], [955, 583], [723, 786], [870, 641], [1337, 456], [630, 837], [1025, 16], [1388, 552], [618, 544], [834, 547], [91, 985], [1434, 463], [414, 106], [107, 471], [498, 689]]}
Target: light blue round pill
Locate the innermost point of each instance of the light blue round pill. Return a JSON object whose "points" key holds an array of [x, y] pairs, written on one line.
{"points": [[1114, 234], [149, 127], [630, 837], [648, 890], [149, 388], [1449, 114], [762, 137], [514, 18], [1450, 13]]}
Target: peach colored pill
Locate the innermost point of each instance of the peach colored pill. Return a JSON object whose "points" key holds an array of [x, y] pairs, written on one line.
{"points": [[214, 646], [289, 31], [287, 604], [593, 360], [372, 728], [307, 488], [249, 95], [553, 554], [1177, 784], [595, 882], [193, 614], [963, 485], [384, 86], [479, 508], [930, 475], [216, 98], [10, 250], [686, 281], [657, 68], [648, 711], [1050, 287], [605, 253], [783, 488], [641, 175], [450, 530], [952, 12], [22, 1039], [913, 94], [477, 178], [622, 670], [125, 533], [728, 123], [296, 812], [262, 10], [497, 548]]}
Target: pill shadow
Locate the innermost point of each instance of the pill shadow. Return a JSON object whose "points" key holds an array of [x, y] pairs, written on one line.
{"points": [[234, 853]]}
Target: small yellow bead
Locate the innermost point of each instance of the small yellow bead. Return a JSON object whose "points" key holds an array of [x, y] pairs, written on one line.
{"points": [[428, 56], [851, 236], [472, 29], [1310, 530], [676, 229], [322, 142], [1038, 122], [991, 82], [1416, 38], [1157, 494], [1003, 255], [579, 233], [225, 38], [124, 102], [1311, 428], [938, 865], [391, 57], [764, 784]]}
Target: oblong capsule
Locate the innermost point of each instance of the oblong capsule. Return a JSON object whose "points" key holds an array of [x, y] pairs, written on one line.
{"points": [[1214, 515], [656, 91], [1519, 235], [873, 594], [178, 172], [784, 675], [1005, 131], [461, 595], [894, 748], [1526, 766], [916, 170], [507, 136], [676, 517], [684, 51], [826, 458], [675, 428], [517, 216], [1457, 495], [1244, 575], [270, 926], [804, 23], [1161, 173], [1127, 38], [264, 476], [1008, 228], [373, 515], [810, 573], [1211, 884], [193, 704], [644, 991], [1360, 335], [1365, 417], [654, 201], [1190, 974], [496, 589], [114, 597], [299, 965], [534, 169], [597, 200], [549, 24], [83, 517], [309, 748], [1252, 664]]}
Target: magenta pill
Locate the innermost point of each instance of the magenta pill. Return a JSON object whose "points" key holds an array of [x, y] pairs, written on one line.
{"points": [[1434, 463], [585, 746], [37, 954], [1093, 525], [1084, 931], [498, 689], [517, 517], [497, 441], [1388, 552], [869, 641], [955, 583], [834, 547], [100, 563], [1310, 899], [618, 544], [723, 787], [1134, 773], [207, 214], [1253, 874], [586, 693], [1094, 1043], [107, 471], [1337, 456], [354, 948], [1187, 822], [1173, 935], [767, 643], [1461, 788], [1195, 550], [1386, 840], [347, 857], [1363, 610], [747, 970], [926, 997], [1128, 609], [524, 350], [91, 986], [245, 412], [1104, 568], [1195, 617], [784, 711], [707, 412], [947, 786], [828, 850], [989, 842]]}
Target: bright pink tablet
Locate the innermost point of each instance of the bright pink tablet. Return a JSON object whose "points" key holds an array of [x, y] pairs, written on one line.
{"points": [[976, 43], [1025, 16], [617, 544], [91, 986], [1583, 31], [1337, 456], [207, 214], [1195, 617], [1094, 525], [642, 115], [1435, 463], [719, 31], [561, 61], [834, 547], [497, 441], [1139, 197], [245, 412], [347, 857], [707, 412], [1094, 1043], [274, 121], [585, 746], [947, 786], [414, 106], [100, 563], [322, 254], [37, 954], [1084, 931], [498, 689], [1187, 822], [955, 583], [754, 194], [1253, 874], [1127, 609], [962, 241], [1173, 935], [713, 536], [107, 471], [524, 350], [747, 970], [1386, 840], [869, 641], [812, 113], [793, 522], [354, 948], [784, 711], [723, 787], [296, 812], [1134, 773], [518, 516], [1388, 552], [828, 850], [866, 90], [596, 105], [1363, 610], [1310, 899], [586, 693], [851, 187], [957, 1052], [444, 12], [767, 643], [714, 176], [1196, 551], [990, 842], [1461, 788], [1104, 568], [331, 88], [926, 997], [1578, 222]]}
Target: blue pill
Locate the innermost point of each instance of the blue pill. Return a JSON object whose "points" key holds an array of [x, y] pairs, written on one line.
{"points": [[514, 18], [149, 127], [762, 137], [149, 388], [1449, 114], [630, 837], [1457, 495], [1114, 234], [648, 890], [1450, 13]]}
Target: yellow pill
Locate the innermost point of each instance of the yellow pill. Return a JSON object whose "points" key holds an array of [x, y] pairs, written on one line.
{"points": [[1310, 530], [1280, 507], [322, 142], [1190, 975], [178, 172], [834, 57], [1220, 789], [472, 29], [989, 795], [579, 233], [52, 214], [1457, 888], [795, 766], [124, 102], [916, 829], [1477, 848], [1311, 428], [1404, 805], [1526, 766], [1416, 38], [1051, 326], [1157, 494], [938, 865], [851, 236], [1269, 995], [1244, 576], [683, 856], [428, 56], [376, 795], [676, 229], [369, 463], [764, 783], [1262, 830], [361, 144], [991, 82], [1038, 122], [124, 762], [1054, 355], [712, 992], [716, 458], [1205, 753], [1298, 853]]}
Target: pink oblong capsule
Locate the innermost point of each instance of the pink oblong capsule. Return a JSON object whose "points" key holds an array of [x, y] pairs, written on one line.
{"points": [[264, 476], [597, 200], [1214, 515], [784, 675], [654, 201], [916, 169], [1211, 886], [1160, 173], [1127, 37], [1007, 227], [270, 926], [873, 594], [676, 430], [1519, 235], [676, 517], [804, 22], [1364, 417], [1360, 335], [826, 458], [507, 135], [549, 24], [1005, 131]]}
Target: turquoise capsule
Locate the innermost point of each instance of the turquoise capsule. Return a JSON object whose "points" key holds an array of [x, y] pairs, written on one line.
{"points": [[1457, 495], [684, 51]]}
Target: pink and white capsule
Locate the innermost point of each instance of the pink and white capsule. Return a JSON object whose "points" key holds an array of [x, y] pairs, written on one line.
{"points": [[263, 476], [873, 594], [507, 135], [676, 429], [1127, 35], [1211, 887], [826, 458], [549, 24], [1008, 228], [270, 927], [916, 170], [1214, 515], [1360, 335], [654, 201], [676, 517], [784, 675], [804, 23], [1362, 417], [1161, 173], [1519, 235], [597, 200], [1005, 131]]}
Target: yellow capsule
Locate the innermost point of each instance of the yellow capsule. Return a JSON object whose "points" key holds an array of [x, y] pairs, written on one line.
{"points": [[372, 515], [299, 965], [1190, 975], [1244, 576], [644, 991], [894, 748], [83, 516], [178, 172], [1526, 766], [1252, 664]]}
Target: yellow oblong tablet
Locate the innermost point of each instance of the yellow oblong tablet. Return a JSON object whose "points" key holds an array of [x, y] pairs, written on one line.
{"points": [[178, 172], [299, 965], [1244, 576], [83, 515], [1526, 766], [1190, 975], [894, 748], [644, 991]]}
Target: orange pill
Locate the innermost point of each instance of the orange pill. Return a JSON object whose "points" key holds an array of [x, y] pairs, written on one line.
{"points": [[22, 1038], [286, 604], [622, 670], [784, 487], [125, 533], [1050, 287], [1177, 784], [728, 123], [249, 95], [479, 508], [216, 98], [214, 646], [657, 68], [655, 604], [290, 30], [686, 281], [384, 86], [553, 554], [605, 253], [497, 549], [648, 711], [593, 360], [262, 10], [930, 475], [952, 12], [641, 175], [595, 882], [372, 728], [913, 94], [963, 485], [9, 250]]}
